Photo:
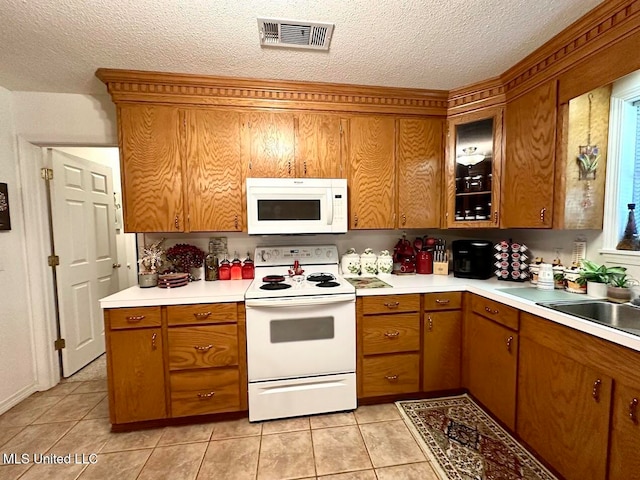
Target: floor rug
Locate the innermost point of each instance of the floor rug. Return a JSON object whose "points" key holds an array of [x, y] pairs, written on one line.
{"points": [[464, 443]]}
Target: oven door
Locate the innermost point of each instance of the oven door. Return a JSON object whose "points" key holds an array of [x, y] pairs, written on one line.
{"points": [[300, 336]]}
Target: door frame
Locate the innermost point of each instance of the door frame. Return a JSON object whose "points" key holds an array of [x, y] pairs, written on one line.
{"points": [[40, 288]]}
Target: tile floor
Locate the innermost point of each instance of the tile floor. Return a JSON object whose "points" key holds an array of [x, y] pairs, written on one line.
{"points": [[72, 418]]}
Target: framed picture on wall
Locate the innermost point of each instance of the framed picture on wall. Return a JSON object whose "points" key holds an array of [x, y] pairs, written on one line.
{"points": [[5, 220]]}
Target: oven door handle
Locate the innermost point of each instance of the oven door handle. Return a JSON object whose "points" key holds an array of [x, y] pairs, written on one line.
{"points": [[300, 301]]}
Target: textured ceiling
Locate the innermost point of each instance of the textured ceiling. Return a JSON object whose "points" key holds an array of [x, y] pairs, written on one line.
{"points": [[56, 46]]}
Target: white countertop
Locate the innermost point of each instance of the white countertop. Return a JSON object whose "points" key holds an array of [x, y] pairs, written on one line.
{"points": [[234, 290]]}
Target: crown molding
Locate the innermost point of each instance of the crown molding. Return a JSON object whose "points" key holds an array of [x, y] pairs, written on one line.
{"points": [[158, 87], [488, 93]]}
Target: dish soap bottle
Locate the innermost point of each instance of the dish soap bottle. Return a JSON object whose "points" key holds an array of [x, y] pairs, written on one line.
{"points": [[211, 265], [236, 267]]}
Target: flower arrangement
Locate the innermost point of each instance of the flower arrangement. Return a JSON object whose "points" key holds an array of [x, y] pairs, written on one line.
{"points": [[152, 257], [184, 257]]}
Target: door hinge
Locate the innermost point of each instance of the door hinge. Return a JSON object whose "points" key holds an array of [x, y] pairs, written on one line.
{"points": [[59, 344], [46, 173], [53, 260]]}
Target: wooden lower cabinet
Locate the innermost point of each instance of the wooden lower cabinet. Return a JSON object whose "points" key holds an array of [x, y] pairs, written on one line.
{"points": [[136, 375], [198, 392], [391, 374], [441, 350], [492, 355], [624, 461], [563, 412]]}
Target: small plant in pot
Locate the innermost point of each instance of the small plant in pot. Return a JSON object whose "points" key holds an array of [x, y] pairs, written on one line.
{"points": [[597, 277], [187, 259], [151, 258], [619, 288]]}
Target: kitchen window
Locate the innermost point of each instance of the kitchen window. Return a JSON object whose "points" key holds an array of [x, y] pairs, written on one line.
{"points": [[623, 168]]}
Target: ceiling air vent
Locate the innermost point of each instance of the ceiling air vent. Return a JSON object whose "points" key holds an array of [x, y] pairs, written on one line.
{"points": [[294, 34]]}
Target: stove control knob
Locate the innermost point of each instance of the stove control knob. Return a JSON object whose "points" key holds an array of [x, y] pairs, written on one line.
{"points": [[329, 253], [265, 255], [318, 252], [276, 253]]}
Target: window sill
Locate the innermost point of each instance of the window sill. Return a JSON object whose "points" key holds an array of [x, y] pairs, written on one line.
{"points": [[623, 257]]}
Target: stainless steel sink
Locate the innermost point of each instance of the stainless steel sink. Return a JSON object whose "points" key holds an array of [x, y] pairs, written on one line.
{"points": [[617, 315]]}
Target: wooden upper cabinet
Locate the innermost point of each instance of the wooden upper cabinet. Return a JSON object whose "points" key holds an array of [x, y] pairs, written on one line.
{"points": [[151, 168], [371, 174], [419, 161], [527, 196], [318, 146], [268, 144], [473, 169], [213, 166]]}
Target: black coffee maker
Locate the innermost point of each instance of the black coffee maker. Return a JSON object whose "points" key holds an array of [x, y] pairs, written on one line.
{"points": [[472, 259]]}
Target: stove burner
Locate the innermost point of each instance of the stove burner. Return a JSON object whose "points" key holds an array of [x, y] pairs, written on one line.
{"points": [[273, 279], [320, 277], [328, 284], [275, 286]]}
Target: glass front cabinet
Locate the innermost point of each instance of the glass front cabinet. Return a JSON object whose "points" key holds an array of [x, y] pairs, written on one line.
{"points": [[474, 160]]}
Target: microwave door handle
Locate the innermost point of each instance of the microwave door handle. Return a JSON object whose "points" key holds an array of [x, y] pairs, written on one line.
{"points": [[329, 207]]}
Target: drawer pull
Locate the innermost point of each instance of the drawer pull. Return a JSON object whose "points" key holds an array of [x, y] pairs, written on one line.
{"points": [[203, 349], [491, 311], [430, 322], [206, 395], [509, 342], [153, 341], [202, 315], [392, 334], [596, 390], [392, 378], [135, 318], [392, 304], [633, 410], [442, 302]]}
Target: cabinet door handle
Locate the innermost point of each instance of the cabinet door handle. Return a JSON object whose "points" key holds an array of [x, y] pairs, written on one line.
{"points": [[633, 410], [202, 315], [596, 390], [176, 222], [206, 348], [289, 166], [404, 219], [542, 212], [206, 395], [509, 342], [153, 341], [495, 217], [491, 311], [135, 318], [430, 322], [235, 221], [442, 302], [355, 220], [392, 378], [392, 334], [304, 165], [392, 305]]}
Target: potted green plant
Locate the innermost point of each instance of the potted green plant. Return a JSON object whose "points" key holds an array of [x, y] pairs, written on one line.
{"points": [[597, 277], [619, 288], [151, 258]]}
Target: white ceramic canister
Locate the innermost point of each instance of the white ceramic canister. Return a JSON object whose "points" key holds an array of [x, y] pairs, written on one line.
{"points": [[385, 262], [558, 277], [545, 277], [350, 262], [571, 276], [368, 262]]}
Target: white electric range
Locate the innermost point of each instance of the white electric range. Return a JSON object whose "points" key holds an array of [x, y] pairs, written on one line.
{"points": [[301, 334]]}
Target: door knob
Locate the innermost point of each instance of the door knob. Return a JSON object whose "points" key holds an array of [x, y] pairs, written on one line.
{"points": [[116, 265]]}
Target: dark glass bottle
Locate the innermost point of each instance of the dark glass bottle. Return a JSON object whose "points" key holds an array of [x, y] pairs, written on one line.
{"points": [[630, 240], [211, 265]]}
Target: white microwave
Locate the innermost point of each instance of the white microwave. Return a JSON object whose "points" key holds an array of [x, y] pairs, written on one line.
{"points": [[284, 206]]}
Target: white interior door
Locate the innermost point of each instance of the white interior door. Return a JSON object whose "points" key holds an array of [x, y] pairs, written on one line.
{"points": [[84, 237]]}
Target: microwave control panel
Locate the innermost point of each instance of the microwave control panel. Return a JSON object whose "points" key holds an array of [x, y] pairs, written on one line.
{"points": [[339, 209]]}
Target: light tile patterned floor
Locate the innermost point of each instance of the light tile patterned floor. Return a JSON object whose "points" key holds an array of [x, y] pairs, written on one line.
{"points": [[72, 418]]}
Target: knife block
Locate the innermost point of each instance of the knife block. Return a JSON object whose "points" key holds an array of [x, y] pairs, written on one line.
{"points": [[441, 268]]}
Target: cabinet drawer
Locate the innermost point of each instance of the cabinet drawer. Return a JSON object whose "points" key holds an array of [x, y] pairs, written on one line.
{"points": [[202, 314], [390, 303], [496, 311], [390, 374], [134, 317], [391, 333], [442, 301], [205, 391], [201, 347]]}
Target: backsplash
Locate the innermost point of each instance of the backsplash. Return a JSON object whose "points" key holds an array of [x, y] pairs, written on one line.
{"points": [[541, 243]]}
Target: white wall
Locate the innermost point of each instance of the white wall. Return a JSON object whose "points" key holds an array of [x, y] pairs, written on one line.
{"points": [[17, 366]]}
